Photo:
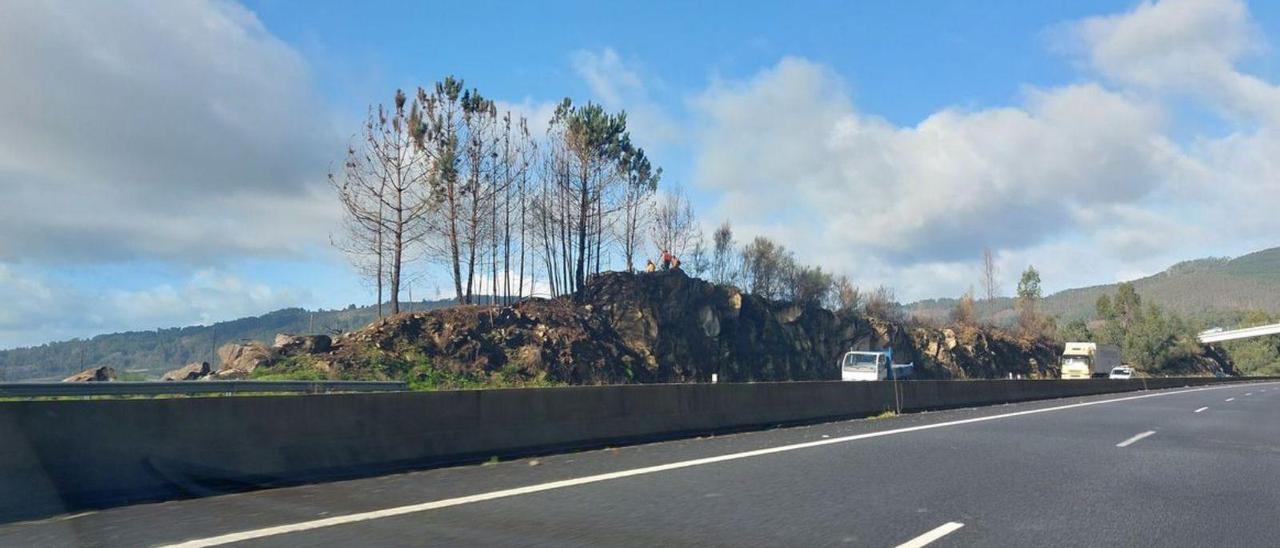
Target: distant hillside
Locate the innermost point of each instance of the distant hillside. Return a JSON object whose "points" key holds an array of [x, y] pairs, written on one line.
{"points": [[150, 353], [1214, 290]]}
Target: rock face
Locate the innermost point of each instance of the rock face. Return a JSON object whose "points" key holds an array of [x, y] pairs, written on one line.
{"points": [[241, 359], [190, 372], [657, 327], [100, 374], [301, 344], [1210, 360], [667, 327]]}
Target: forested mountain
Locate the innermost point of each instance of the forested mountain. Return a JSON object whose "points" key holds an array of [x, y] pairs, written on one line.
{"points": [[1217, 291], [150, 353]]}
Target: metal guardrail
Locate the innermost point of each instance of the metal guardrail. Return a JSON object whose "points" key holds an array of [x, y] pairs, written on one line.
{"points": [[158, 388]]}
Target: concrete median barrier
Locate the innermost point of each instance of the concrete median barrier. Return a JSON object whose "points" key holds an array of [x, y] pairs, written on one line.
{"points": [[65, 456]]}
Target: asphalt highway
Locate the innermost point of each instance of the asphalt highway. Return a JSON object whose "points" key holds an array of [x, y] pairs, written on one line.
{"points": [[1185, 467]]}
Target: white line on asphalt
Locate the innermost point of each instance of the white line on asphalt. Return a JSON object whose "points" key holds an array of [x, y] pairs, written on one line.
{"points": [[1248, 393], [937, 533], [1131, 441], [1231, 399], [481, 497], [1201, 409]]}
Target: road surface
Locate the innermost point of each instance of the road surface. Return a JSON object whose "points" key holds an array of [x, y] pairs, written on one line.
{"points": [[1187, 467]]}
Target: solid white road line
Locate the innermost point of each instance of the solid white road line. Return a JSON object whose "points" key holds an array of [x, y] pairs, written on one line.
{"points": [[481, 497], [1231, 399], [937, 533], [1131, 441], [1201, 409]]}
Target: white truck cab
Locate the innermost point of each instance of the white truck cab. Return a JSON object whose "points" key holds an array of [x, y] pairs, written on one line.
{"points": [[1085, 360], [859, 365]]}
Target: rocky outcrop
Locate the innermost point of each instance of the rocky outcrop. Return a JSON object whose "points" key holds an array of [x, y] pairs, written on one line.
{"points": [[656, 327], [666, 327], [97, 374], [1210, 360], [232, 374], [301, 344], [190, 372], [240, 359]]}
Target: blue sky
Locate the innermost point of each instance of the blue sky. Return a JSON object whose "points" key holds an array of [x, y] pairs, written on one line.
{"points": [[166, 164]]}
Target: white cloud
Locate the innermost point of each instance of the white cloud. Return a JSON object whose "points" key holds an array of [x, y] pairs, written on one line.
{"points": [[618, 86], [1182, 46], [172, 130], [785, 147], [537, 114], [39, 308], [1084, 180]]}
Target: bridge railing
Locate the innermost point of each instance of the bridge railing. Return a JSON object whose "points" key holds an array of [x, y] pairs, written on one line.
{"points": [[162, 388]]}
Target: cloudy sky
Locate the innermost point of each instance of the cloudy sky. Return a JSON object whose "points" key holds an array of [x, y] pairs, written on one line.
{"points": [[163, 163]]}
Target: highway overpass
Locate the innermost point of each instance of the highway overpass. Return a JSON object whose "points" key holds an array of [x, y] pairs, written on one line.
{"points": [[1177, 467], [1218, 335]]}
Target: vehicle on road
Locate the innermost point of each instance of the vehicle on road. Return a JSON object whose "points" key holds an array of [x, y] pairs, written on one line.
{"points": [[1085, 360], [1122, 372], [866, 365]]}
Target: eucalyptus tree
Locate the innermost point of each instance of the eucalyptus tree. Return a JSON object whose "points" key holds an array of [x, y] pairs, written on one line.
{"points": [[1028, 301]]}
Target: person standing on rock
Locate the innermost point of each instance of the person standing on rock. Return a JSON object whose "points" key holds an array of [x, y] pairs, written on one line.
{"points": [[649, 266], [666, 260]]}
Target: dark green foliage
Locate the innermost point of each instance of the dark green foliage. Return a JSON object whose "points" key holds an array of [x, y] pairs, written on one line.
{"points": [[810, 285], [1029, 284], [1149, 338], [1075, 330], [1103, 309], [764, 267], [1258, 356], [1030, 322]]}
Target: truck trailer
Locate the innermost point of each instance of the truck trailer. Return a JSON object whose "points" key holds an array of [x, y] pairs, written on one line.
{"points": [[1085, 360]]}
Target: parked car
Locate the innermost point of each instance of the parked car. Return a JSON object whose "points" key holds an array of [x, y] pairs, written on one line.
{"points": [[1122, 373]]}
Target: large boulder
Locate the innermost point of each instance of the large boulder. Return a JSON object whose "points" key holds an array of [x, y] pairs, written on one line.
{"points": [[227, 375], [290, 345], [245, 356], [99, 374], [190, 372]]}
